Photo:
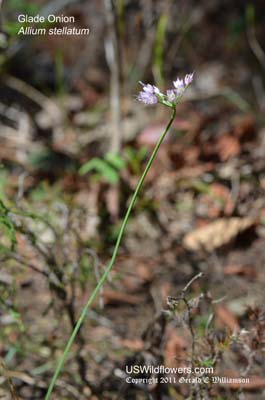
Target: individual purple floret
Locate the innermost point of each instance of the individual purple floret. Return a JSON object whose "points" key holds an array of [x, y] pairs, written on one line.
{"points": [[188, 79], [149, 94], [179, 84], [171, 95], [156, 90]]}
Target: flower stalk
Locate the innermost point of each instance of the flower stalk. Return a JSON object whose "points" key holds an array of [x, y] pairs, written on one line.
{"points": [[149, 95]]}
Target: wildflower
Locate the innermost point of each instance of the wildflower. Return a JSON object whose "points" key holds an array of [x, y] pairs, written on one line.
{"points": [[179, 84], [188, 79], [171, 95], [156, 90], [150, 94]]}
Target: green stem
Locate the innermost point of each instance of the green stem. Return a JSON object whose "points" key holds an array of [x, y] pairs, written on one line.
{"points": [[113, 258]]}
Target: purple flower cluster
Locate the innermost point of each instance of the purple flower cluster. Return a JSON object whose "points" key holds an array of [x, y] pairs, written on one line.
{"points": [[150, 94]]}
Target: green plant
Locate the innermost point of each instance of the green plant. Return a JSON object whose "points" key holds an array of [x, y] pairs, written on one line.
{"points": [[135, 158], [26, 7], [23, 7], [6, 222], [3, 182], [108, 168], [149, 95]]}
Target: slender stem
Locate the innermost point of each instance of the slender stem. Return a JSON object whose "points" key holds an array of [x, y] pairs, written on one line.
{"points": [[110, 265]]}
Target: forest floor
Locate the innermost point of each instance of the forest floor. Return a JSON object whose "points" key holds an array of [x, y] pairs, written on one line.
{"points": [[202, 210]]}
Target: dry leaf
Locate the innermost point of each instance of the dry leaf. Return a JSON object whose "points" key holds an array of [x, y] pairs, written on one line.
{"points": [[112, 201], [150, 135], [133, 344], [145, 271], [218, 201], [114, 297], [221, 192], [226, 317], [216, 234], [227, 146], [245, 128], [175, 349], [132, 284], [237, 269]]}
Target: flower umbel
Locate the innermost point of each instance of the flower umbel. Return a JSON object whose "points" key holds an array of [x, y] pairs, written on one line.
{"points": [[150, 94]]}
